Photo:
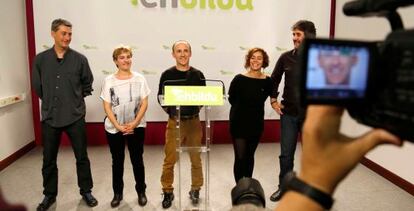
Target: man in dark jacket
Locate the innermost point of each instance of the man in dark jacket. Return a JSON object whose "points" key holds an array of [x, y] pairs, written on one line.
{"points": [[61, 78], [291, 113], [190, 127]]}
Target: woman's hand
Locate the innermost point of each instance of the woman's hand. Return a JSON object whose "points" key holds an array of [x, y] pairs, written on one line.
{"points": [[121, 128], [129, 127], [277, 106]]}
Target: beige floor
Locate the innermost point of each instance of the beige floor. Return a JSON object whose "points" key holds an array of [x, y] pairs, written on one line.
{"points": [[21, 182]]}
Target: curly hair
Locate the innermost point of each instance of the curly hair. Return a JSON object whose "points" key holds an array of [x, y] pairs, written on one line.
{"points": [[250, 54]]}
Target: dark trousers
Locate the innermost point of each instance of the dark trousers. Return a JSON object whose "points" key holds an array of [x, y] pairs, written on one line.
{"points": [[51, 141], [290, 128], [135, 144], [244, 150]]}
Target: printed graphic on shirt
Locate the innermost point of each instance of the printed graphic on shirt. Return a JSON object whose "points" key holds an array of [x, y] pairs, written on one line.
{"points": [[125, 101], [125, 98]]}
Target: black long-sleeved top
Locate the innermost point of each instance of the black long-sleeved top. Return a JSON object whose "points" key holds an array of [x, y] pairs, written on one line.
{"points": [[247, 96], [288, 64], [62, 85], [172, 76]]}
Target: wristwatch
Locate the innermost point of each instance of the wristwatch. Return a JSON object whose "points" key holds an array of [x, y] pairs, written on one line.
{"points": [[291, 182]]}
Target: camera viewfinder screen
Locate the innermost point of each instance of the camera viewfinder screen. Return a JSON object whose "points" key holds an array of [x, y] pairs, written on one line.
{"points": [[336, 71]]}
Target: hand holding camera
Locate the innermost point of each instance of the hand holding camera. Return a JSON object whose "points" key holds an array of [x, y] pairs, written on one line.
{"points": [[328, 156], [373, 80]]}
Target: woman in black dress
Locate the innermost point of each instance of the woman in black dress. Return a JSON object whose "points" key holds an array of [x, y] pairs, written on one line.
{"points": [[247, 93]]}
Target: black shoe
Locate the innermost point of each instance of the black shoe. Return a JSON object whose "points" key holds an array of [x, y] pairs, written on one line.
{"points": [[167, 201], [142, 199], [194, 196], [89, 199], [116, 200], [276, 195], [46, 203]]}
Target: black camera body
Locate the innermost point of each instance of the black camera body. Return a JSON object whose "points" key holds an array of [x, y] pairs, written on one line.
{"points": [[373, 80]]}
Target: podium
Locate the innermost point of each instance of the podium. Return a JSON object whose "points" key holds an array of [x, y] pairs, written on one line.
{"points": [[202, 97]]}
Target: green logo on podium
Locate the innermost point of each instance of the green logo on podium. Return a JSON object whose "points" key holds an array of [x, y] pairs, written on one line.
{"points": [[193, 95]]}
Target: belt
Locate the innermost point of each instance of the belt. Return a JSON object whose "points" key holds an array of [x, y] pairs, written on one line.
{"points": [[187, 117]]}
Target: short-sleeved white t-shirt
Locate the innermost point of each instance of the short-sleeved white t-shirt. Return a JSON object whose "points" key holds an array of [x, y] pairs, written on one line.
{"points": [[125, 97]]}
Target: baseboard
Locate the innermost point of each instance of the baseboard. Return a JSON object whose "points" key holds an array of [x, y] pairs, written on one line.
{"points": [[398, 181], [9, 160]]}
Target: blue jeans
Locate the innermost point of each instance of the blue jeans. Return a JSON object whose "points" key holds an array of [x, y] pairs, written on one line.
{"points": [[290, 128]]}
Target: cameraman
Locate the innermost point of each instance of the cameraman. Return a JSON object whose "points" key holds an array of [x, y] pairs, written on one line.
{"points": [[328, 156]]}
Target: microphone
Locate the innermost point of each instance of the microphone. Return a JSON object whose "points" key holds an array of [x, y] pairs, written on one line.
{"points": [[219, 81], [174, 82], [355, 8], [373, 7], [179, 81]]}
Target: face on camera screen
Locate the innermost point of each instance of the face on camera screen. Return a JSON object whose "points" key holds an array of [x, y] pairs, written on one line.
{"points": [[336, 71]]}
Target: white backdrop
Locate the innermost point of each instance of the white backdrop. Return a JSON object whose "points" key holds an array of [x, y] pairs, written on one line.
{"points": [[219, 36]]}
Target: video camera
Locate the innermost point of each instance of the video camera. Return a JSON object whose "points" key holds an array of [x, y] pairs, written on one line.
{"points": [[373, 80]]}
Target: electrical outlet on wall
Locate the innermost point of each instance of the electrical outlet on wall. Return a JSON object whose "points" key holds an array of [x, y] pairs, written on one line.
{"points": [[12, 99]]}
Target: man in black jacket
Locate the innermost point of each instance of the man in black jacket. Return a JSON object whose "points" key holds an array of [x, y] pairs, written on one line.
{"points": [[62, 78], [190, 127], [291, 113]]}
